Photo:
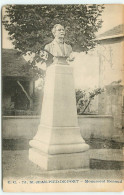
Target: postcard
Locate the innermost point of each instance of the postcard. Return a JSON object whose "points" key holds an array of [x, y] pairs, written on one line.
{"points": [[63, 97]]}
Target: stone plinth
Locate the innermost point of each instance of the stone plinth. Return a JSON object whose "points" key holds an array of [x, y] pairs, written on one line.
{"points": [[58, 143]]}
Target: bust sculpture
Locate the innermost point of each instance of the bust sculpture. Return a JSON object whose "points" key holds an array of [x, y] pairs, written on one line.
{"points": [[58, 48]]}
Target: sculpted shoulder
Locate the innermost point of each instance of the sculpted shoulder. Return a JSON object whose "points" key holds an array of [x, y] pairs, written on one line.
{"points": [[48, 46], [69, 47], [56, 50]]}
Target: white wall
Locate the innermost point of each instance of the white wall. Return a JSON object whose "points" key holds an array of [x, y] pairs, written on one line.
{"points": [[111, 61]]}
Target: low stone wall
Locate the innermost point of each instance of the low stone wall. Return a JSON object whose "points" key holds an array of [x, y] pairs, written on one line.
{"points": [[25, 127], [96, 126], [14, 127]]}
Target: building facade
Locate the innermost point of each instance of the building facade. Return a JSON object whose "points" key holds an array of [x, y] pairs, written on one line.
{"points": [[17, 83], [111, 73]]}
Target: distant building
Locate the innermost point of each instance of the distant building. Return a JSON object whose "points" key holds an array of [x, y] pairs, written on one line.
{"points": [[111, 73], [111, 52], [17, 83]]}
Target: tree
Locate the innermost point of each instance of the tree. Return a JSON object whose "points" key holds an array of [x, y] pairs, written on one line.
{"points": [[83, 100], [29, 26]]}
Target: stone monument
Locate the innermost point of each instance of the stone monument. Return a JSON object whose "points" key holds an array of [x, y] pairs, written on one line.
{"points": [[58, 144]]}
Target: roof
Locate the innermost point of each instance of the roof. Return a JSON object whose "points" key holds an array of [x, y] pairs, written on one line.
{"points": [[117, 31], [14, 64]]}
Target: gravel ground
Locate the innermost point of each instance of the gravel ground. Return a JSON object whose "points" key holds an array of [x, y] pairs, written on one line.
{"points": [[16, 165]]}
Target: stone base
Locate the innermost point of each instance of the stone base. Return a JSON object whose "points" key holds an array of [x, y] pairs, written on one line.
{"points": [[58, 144], [59, 148], [59, 161], [58, 140]]}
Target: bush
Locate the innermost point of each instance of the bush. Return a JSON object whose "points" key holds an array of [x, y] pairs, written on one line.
{"points": [[84, 99]]}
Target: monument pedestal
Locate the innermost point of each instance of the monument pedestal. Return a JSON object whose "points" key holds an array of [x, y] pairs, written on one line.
{"points": [[58, 143]]}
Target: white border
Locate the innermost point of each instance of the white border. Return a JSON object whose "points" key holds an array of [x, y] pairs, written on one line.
{"points": [[4, 2]]}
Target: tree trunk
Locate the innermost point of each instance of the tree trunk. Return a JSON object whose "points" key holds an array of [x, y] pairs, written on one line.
{"points": [[86, 107], [29, 98]]}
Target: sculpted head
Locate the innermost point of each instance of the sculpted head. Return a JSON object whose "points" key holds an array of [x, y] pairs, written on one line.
{"points": [[58, 31]]}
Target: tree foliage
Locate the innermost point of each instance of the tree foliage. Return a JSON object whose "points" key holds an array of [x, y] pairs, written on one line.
{"points": [[30, 26]]}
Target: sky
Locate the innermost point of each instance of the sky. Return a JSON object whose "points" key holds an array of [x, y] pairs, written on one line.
{"points": [[112, 16], [86, 69]]}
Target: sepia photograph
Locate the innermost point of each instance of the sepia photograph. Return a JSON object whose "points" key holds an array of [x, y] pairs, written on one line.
{"points": [[62, 97]]}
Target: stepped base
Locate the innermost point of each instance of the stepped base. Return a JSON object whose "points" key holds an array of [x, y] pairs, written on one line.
{"points": [[59, 161], [59, 148]]}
